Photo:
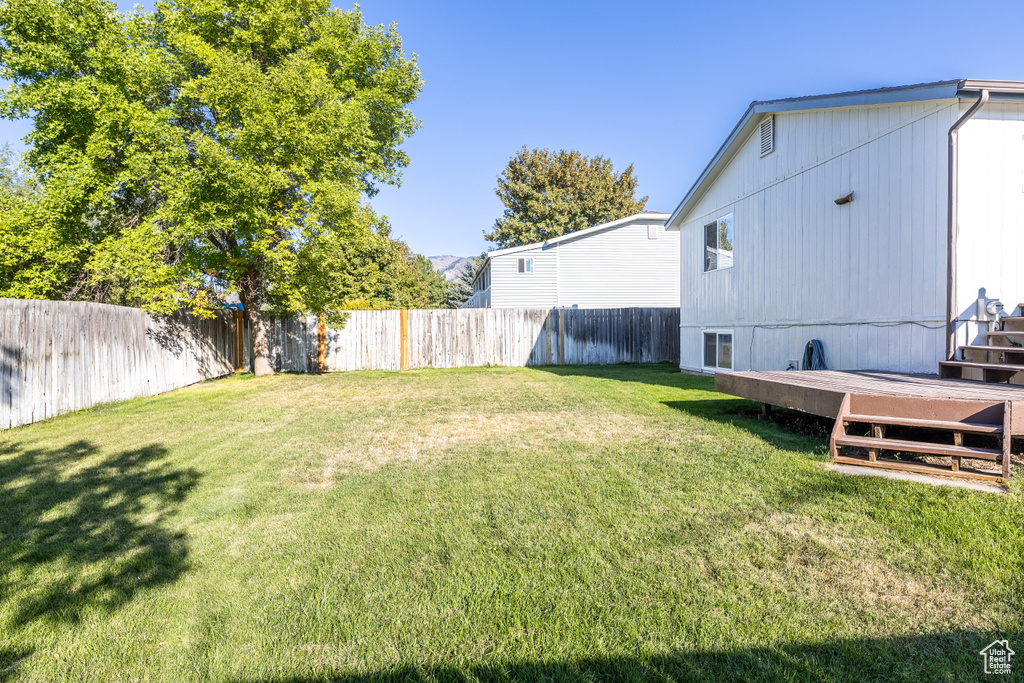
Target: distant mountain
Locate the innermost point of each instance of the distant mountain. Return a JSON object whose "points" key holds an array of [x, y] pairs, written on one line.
{"points": [[449, 266]]}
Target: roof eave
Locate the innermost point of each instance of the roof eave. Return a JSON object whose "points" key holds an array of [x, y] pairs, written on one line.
{"points": [[643, 215], [1001, 87], [927, 91], [637, 217]]}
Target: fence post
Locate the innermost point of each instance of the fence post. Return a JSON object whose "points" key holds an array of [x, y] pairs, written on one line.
{"points": [[547, 339], [561, 336], [405, 339], [321, 344], [239, 340]]}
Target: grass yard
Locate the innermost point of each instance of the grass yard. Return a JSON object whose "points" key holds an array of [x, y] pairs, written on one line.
{"points": [[594, 523]]}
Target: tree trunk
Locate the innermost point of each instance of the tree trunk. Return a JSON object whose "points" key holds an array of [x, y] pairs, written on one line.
{"points": [[260, 344], [258, 331]]}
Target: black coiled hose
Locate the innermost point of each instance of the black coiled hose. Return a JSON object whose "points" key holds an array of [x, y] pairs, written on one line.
{"points": [[814, 356]]}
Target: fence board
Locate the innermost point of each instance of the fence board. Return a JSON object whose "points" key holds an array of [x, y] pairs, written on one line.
{"points": [[60, 356], [371, 340]]}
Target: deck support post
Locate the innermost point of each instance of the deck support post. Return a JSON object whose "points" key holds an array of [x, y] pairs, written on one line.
{"points": [[878, 432], [1007, 438], [958, 440]]}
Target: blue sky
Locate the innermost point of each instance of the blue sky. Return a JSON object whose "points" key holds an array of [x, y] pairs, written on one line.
{"points": [[655, 84]]}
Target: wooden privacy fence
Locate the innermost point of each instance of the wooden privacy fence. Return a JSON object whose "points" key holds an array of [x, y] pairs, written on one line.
{"points": [[58, 356], [397, 340]]}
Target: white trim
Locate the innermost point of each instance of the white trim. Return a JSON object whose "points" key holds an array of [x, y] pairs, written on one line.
{"points": [[818, 323], [704, 244], [678, 219], [941, 90], [718, 332], [769, 122], [644, 216]]}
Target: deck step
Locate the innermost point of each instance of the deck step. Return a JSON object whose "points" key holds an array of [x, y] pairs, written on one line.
{"points": [[973, 427], [990, 372], [990, 347], [980, 364], [930, 470], [1005, 334], [919, 447]]}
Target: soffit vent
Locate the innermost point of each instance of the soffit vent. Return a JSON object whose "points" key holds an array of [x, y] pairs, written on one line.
{"points": [[767, 135]]}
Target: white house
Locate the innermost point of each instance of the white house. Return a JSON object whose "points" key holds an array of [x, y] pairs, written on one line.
{"points": [[630, 262], [870, 220]]}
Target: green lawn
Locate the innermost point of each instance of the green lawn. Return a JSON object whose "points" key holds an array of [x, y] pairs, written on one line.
{"points": [[594, 523]]}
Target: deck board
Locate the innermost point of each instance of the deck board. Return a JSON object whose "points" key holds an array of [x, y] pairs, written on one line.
{"points": [[820, 392]]}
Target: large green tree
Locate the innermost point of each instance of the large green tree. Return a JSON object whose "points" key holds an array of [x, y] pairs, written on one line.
{"points": [[547, 194], [206, 147]]}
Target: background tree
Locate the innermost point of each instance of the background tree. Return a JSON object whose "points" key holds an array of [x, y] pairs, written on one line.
{"points": [[206, 147], [14, 180], [461, 288], [547, 194], [377, 273]]}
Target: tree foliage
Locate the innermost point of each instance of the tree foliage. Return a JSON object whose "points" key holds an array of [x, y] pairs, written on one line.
{"points": [[378, 273], [547, 194], [206, 147], [461, 288]]}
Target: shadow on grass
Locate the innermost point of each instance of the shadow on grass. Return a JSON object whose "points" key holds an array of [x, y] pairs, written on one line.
{"points": [[81, 531], [10, 660], [707, 404], [738, 412], [665, 374], [949, 656]]}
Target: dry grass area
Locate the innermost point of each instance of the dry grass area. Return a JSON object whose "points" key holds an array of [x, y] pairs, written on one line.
{"points": [[493, 524]]}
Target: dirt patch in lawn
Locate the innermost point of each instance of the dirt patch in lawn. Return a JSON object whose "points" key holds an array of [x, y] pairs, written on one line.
{"points": [[428, 442]]}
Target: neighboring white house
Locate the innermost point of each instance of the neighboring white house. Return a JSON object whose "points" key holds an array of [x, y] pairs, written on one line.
{"points": [[630, 262], [776, 251]]}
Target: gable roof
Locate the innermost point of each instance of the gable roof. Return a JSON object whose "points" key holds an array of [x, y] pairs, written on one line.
{"points": [[938, 90], [650, 216]]}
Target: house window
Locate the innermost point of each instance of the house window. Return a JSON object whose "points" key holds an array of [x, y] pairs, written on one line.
{"points": [[526, 265], [652, 232], [718, 350], [718, 244]]}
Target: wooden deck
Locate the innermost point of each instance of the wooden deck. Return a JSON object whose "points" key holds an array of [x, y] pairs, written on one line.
{"points": [[821, 392]]}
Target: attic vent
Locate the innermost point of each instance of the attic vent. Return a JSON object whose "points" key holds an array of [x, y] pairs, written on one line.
{"points": [[767, 135]]}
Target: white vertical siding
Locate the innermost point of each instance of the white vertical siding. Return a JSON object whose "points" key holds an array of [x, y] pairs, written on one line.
{"points": [[620, 267], [512, 289], [867, 278], [991, 215], [617, 267]]}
